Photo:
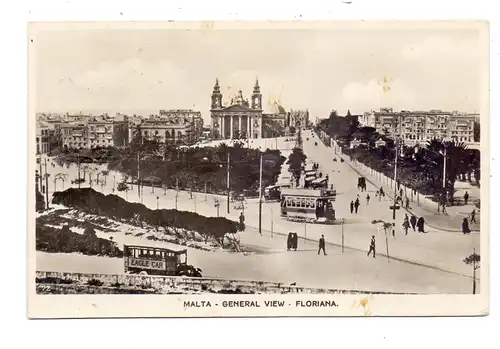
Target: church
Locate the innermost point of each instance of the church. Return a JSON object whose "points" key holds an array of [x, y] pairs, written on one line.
{"points": [[245, 119]]}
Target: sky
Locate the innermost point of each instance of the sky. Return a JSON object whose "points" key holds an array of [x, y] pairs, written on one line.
{"points": [[142, 71]]}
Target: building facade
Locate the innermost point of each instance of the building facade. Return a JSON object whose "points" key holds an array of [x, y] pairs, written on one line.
{"points": [[299, 118], [165, 131], [74, 135], [108, 132], [421, 126], [43, 134], [239, 119]]}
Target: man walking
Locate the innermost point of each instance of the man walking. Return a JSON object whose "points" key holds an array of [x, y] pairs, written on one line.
{"points": [[322, 245], [351, 205], [466, 197], [356, 205], [367, 199], [372, 247]]}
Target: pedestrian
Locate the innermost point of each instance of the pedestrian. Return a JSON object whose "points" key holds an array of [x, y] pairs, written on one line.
{"points": [[465, 226], [473, 216], [356, 205], [420, 225], [289, 241], [406, 224], [394, 230], [443, 205], [407, 203], [295, 241], [413, 222], [351, 205], [367, 199], [466, 197], [322, 245], [379, 194], [372, 247], [401, 192], [242, 221]]}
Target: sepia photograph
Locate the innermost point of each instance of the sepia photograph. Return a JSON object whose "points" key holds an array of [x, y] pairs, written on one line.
{"points": [[232, 168]]}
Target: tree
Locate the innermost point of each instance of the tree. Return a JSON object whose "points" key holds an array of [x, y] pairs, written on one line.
{"points": [[296, 161], [473, 260], [477, 132]]}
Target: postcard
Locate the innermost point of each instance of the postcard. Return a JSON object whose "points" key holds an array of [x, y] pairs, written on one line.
{"points": [[248, 169]]}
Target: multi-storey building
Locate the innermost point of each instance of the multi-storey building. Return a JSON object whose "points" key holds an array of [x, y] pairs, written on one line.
{"points": [[166, 131], [421, 126], [74, 135], [43, 134], [108, 132], [299, 118]]}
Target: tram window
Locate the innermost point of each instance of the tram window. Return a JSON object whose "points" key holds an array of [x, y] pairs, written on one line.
{"points": [[302, 202], [308, 203]]}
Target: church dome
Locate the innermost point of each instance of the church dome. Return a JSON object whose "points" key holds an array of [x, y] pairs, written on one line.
{"points": [[276, 108]]}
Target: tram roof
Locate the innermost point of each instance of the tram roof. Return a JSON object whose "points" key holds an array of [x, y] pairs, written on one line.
{"points": [[302, 192]]}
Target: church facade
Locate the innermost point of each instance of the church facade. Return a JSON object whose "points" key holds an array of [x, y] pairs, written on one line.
{"points": [[239, 119]]}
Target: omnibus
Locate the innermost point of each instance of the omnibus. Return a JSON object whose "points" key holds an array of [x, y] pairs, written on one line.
{"points": [[149, 260], [308, 205]]}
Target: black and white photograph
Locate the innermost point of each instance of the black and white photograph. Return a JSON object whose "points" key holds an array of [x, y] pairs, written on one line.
{"points": [[214, 164]]}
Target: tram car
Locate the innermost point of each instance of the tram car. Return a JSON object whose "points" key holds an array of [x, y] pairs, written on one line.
{"points": [[308, 205]]}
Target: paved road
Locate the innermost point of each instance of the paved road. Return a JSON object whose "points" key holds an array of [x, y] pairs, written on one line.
{"points": [[436, 250]]}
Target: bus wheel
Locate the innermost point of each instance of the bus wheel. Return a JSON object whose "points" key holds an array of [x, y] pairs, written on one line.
{"points": [[143, 273]]}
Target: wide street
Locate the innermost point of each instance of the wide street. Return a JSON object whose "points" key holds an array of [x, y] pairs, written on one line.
{"points": [[428, 261]]}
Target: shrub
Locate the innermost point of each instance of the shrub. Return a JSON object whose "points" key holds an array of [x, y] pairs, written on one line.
{"points": [[95, 282], [113, 206], [51, 239]]}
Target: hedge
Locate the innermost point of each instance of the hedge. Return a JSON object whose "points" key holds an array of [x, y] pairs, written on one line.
{"points": [[113, 206]]}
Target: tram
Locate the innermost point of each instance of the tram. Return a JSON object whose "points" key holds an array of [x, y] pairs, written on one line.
{"points": [[308, 205]]}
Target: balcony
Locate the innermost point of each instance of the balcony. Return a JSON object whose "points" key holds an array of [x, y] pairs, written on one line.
{"points": [[77, 134]]}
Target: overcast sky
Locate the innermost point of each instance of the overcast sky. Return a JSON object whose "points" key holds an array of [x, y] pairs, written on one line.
{"points": [[142, 71]]}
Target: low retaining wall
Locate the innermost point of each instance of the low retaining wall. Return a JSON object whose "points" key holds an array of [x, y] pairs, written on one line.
{"points": [[171, 284]]}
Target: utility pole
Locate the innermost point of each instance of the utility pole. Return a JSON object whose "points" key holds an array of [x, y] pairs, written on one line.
{"points": [[260, 196], [78, 158], [176, 191], [342, 227], [138, 177], [397, 145], [41, 172], [444, 177], [46, 185], [228, 184], [205, 190]]}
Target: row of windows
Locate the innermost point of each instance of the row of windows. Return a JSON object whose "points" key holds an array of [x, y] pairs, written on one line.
{"points": [[167, 134], [301, 202]]}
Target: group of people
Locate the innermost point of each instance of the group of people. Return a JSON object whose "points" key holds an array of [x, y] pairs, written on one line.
{"points": [[354, 205], [414, 223]]}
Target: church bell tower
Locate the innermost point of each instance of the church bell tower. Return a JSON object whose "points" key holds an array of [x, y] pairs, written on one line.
{"points": [[216, 96], [256, 96]]}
